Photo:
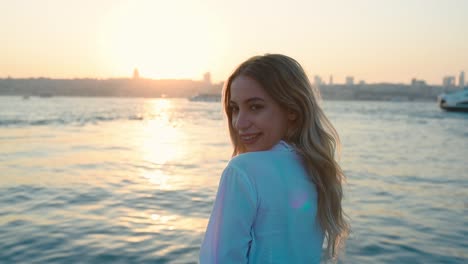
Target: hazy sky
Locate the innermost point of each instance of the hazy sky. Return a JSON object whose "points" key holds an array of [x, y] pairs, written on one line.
{"points": [[372, 40]]}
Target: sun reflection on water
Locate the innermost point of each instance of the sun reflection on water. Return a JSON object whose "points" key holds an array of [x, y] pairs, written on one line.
{"points": [[161, 142], [163, 147], [157, 178]]}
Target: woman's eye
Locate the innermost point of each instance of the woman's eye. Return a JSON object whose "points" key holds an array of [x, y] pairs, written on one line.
{"points": [[234, 109], [256, 107]]}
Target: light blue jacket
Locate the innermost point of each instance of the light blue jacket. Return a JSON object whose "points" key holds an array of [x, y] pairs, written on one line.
{"points": [[265, 212]]}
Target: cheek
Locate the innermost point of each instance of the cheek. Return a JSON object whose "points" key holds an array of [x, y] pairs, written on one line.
{"points": [[272, 122], [234, 121], [281, 124]]}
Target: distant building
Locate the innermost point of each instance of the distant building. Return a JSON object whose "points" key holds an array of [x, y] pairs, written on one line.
{"points": [[362, 82], [317, 81], [417, 83], [331, 80], [461, 80], [136, 74], [349, 80], [207, 78], [448, 81]]}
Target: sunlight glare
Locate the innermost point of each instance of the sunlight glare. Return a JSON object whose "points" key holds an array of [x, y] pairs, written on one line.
{"points": [[148, 36]]}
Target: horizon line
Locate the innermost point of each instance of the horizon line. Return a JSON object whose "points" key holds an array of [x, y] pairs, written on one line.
{"points": [[212, 83]]}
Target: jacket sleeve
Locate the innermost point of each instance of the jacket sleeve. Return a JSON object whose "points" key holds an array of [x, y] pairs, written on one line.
{"points": [[228, 235]]}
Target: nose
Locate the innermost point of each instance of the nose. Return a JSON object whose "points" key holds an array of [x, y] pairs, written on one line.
{"points": [[241, 121]]}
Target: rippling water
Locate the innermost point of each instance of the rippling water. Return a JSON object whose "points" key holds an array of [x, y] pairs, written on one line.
{"points": [[106, 180]]}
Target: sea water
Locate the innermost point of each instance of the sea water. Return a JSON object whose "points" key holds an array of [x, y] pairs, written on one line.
{"points": [[119, 180]]}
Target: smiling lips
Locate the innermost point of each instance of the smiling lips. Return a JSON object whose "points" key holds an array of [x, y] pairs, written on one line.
{"points": [[249, 139]]}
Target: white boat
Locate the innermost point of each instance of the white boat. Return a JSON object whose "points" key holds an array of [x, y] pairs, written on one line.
{"points": [[456, 101]]}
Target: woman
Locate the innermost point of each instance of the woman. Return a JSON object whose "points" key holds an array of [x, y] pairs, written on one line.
{"points": [[280, 195]]}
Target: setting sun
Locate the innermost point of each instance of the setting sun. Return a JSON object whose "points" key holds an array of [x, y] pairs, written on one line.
{"points": [[163, 40]]}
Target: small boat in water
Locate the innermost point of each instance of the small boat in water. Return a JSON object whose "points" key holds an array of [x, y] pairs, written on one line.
{"points": [[456, 101]]}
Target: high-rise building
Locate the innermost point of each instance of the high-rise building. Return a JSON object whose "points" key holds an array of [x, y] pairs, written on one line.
{"points": [[207, 78], [461, 80], [331, 80], [349, 80], [317, 80], [448, 81], [136, 74]]}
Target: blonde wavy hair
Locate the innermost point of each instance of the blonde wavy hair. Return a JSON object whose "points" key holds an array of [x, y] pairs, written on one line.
{"points": [[312, 135]]}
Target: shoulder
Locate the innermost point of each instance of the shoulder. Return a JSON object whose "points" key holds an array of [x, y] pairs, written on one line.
{"points": [[255, 162], [245, 166], [239, 165], [246, 161], [237, 178], [281, 150]]}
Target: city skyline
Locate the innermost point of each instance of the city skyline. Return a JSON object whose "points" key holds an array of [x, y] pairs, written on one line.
{"points": [[447, 80], [375, 41]]}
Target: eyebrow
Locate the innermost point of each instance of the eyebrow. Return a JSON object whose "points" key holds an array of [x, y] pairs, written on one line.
{"points": [[249, 100]]}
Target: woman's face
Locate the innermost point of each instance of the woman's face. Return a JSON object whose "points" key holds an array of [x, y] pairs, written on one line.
{"points": [[259, 121]]}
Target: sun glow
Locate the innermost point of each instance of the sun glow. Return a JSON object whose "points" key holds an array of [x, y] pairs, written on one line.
{"points": [[163, 39]]}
